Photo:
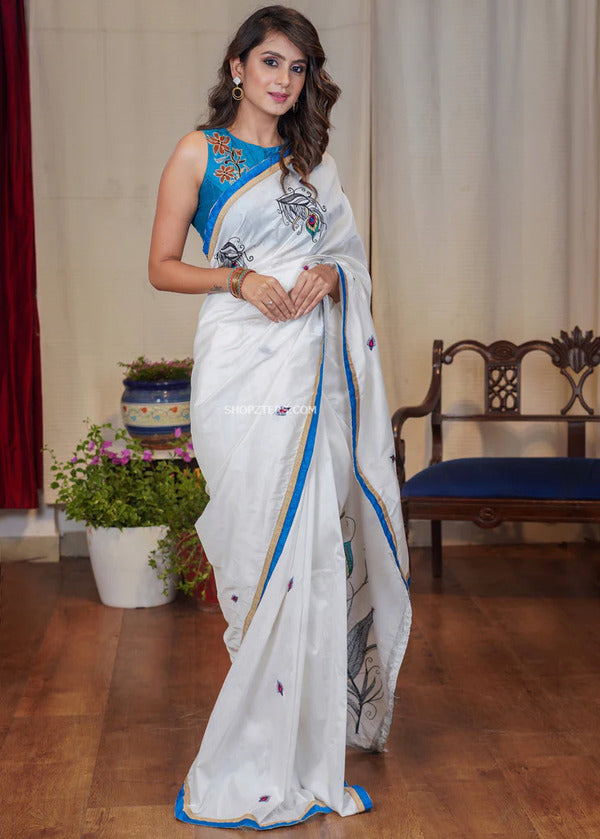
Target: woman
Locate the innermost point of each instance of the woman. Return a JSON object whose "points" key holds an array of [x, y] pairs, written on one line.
{"points": [[290, 428]]}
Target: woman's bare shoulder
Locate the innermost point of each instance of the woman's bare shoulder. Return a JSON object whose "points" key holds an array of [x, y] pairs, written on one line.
{"points": [[192, 152]]}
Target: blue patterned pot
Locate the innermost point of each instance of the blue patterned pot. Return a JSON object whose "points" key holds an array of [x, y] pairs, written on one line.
{"points": [[153, 410]]}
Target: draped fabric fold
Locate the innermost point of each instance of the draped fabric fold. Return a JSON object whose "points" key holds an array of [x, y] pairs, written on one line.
{"points": [[291, 430], [20, 375]]}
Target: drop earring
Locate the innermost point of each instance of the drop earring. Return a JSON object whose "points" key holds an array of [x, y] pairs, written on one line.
{"points": [[237, 92]]}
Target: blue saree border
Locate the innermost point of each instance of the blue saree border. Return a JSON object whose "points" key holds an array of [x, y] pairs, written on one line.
{"points": [[302, 472], [228, 193], [245, 821], [354, 415]]}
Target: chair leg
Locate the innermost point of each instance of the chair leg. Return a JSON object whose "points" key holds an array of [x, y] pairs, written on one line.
{"points": [[436, 548]]}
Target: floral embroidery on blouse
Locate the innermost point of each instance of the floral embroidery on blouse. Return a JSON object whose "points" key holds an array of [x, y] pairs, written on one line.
{"points": [[231, 160], [219, 142]]}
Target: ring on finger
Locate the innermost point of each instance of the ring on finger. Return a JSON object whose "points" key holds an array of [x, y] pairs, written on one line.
{"points": [[270, 303]]}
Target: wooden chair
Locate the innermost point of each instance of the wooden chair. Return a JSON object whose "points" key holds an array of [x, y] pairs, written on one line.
{"points": [[490, 490]]}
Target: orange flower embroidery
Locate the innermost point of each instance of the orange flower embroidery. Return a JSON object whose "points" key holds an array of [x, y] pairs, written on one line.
{"points": [[226, 172], [220, 142]]}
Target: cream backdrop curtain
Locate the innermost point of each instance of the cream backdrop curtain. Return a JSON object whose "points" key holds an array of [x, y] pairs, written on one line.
{"points": [[485, 211], [115, 84], [481, 119]]}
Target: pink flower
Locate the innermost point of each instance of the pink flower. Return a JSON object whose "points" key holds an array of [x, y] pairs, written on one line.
{"points": [[186, 457], [178, 452], [125, 457], [95, 460], [74, 460], [147, 456], [91, 446], [106, 444], [177, 432], [190, 447]]}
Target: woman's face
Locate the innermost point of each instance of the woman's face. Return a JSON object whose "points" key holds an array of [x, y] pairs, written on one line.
{"points": [[272, 76]]}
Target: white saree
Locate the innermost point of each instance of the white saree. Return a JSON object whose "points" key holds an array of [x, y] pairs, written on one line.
{"points": [[291, 429]]}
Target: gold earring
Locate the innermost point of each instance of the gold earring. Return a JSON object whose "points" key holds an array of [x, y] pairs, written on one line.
{"points": [[295, 106], [237, 92]]}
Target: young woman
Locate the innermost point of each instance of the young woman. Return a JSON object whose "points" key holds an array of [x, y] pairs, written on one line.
{"points": [[291, 430]]}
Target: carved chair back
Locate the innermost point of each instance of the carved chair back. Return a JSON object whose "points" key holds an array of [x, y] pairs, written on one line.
{"points": [[576, 355]]}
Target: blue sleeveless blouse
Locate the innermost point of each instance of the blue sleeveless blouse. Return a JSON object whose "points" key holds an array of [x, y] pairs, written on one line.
{"points": [[228, 159]]}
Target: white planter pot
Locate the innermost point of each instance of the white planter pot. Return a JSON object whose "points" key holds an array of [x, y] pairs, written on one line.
{"points": [[120, 564]]}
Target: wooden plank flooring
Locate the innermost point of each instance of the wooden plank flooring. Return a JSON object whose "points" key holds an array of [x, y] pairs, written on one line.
{"points": [[496, 731]]}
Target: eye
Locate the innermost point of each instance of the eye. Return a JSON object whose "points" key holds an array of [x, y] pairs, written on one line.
{"points": [[271, 62], [298, 68]]}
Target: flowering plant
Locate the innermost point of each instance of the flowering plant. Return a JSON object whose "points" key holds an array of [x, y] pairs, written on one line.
{"points": [[143, 370], [111, 481], [180, 551]]}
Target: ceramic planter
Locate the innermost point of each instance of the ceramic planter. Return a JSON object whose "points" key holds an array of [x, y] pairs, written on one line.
{"points": [[153, 410], [120, 564]]}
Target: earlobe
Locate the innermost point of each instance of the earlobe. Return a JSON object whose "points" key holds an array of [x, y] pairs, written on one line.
{"points": [[236, 67]]}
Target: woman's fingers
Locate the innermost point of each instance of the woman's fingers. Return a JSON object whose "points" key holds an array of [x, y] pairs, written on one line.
{"points": [[269, 297], [311, 287]]}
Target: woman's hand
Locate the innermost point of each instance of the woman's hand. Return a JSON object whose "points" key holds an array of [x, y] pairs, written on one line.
{"points": [[268, 296], [311, 287]]}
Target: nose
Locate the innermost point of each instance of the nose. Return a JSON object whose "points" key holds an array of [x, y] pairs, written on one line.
{"points": [[283, 77]]}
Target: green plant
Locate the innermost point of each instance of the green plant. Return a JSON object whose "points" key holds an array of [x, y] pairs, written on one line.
{"points": [[180, 552], [143, 370], [112, 481]]}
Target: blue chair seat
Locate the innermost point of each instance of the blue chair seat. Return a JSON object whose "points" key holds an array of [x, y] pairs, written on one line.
{"points": [[561, 478]]}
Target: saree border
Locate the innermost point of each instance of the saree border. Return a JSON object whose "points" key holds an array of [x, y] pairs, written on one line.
{"points": [[360, 796], [354, 396], [184, 813], [293, 492], [230, 195]]}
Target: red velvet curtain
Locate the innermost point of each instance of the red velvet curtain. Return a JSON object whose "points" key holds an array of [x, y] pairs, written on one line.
{"points": [[20, 376]]}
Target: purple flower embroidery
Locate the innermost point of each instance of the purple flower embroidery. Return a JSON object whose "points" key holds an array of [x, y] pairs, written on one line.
{"points": [[371, 342], [279, 688]]}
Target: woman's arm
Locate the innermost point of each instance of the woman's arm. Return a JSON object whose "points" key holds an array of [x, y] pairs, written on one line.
{"points": [[177, 202], [175, 208]]}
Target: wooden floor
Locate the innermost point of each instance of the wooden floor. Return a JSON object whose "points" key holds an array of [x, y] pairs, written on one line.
{"points": [[496, 732]]}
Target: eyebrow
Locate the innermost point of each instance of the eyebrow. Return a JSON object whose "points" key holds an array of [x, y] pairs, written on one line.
{"points": [[278, 55]]}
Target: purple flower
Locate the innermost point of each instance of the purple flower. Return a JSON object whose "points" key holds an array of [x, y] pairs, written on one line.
{"points": [[178, 452], [147, 456], [91, 446], [177, 432], [190, 447], [106, 444], [74, 460], [187, 458], [95, 460], [125, 457]]}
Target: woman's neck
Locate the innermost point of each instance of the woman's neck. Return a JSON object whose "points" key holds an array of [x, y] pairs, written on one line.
{"points": [[253, 129]]}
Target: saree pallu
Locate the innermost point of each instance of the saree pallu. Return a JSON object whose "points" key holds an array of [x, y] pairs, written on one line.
{"points": [[291, 429]]}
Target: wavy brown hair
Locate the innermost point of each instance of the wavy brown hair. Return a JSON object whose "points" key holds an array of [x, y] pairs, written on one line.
{"points": [[305, 131]]}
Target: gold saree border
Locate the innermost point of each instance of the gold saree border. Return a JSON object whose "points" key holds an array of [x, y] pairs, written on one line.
{"points": [[231, 201], [194, 816], [286, 501]]}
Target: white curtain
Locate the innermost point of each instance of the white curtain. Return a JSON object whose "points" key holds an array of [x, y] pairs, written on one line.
{"points": [[486, 199], [481, 122]]}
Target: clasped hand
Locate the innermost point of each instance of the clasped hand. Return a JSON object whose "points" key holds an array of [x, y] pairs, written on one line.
{"points": [[269, 296]]}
